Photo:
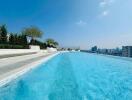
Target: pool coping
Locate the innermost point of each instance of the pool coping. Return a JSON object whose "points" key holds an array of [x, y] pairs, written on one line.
{"points": [[112, 56], [117, 57], [14, 74]]}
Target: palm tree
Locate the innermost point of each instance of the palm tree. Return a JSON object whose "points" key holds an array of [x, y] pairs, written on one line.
{"points": [[51, 43], [56, 44]]}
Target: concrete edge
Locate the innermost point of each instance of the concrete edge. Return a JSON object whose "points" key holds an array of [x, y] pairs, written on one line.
{"points": [[112, 56], [15, 55], [8, 77]]}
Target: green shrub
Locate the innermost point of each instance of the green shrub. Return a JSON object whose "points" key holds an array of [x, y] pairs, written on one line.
{"points": [[8, 46], [37, 42]]}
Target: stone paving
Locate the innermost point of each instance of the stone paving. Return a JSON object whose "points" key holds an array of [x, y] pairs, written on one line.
{"points": [[12, 63]]}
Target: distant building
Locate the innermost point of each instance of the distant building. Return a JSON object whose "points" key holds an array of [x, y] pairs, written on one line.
{"points": [[103, 51], [115, 52], [127, 51], [94, 49]]}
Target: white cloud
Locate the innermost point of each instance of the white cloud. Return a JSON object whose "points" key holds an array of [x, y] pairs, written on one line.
{"points": [[102, 4], [104, 13], [105, 3], [111, 1], [81, 23]]}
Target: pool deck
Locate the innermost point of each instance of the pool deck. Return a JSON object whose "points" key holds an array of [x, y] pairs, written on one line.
{"points": [[12, 67]]}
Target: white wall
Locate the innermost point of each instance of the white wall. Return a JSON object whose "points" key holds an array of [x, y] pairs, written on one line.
{"points": [[50, 50], [15, 51], [33, 49]]}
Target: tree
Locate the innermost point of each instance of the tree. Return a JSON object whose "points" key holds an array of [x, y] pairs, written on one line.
{"points": [[23, 40], [18, 39], [56, 44], [3, 34], [32, 32], [11, 38], [51, 43], [15, 39]]}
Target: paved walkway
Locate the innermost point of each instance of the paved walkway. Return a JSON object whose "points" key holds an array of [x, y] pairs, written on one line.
{"points": [[13, 63], [14, 55]]}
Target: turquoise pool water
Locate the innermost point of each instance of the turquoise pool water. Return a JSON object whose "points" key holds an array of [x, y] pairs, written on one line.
{"points": [[74, 76]]}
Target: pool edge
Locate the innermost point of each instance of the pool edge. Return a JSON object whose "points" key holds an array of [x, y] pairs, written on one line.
{"points": [[12, 75]]}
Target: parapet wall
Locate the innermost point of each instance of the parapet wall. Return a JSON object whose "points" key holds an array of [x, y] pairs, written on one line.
{"points": [[33, 49], [18, 52]]}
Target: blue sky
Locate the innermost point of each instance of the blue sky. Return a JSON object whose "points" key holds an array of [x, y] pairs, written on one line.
{"points": [[73, 23]]}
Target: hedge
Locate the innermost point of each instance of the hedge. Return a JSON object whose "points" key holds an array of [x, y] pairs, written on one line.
{"points": [[9, 46]]}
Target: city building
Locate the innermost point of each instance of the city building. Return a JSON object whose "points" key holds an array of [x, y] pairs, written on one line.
{"points": [[94, 49], [127, 51], [102, 51], [115, 52]]}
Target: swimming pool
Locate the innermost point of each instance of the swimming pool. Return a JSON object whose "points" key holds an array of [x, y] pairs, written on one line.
{"points": [[74, 76]]}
